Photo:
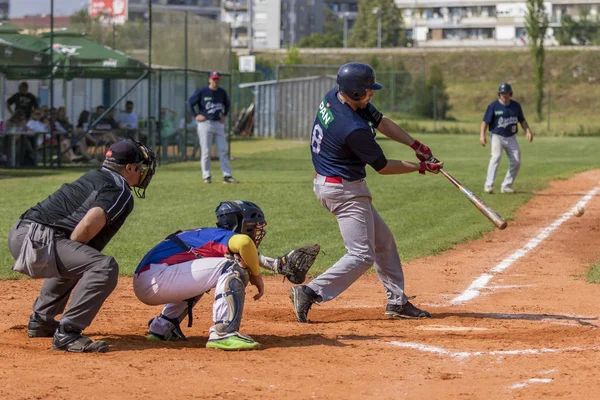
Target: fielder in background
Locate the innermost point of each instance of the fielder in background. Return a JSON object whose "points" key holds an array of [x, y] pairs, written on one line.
{"points": [[184, 266], [342, 145], [61, 239], [502, 117], [210, 106]]}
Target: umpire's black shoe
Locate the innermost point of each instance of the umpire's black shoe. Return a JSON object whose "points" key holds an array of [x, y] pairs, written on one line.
{"points": [[405, 311], [40, 328], [68, 338], [302, 301]]}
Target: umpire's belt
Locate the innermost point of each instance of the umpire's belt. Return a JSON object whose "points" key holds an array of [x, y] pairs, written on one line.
{"points": [[320, 179]]}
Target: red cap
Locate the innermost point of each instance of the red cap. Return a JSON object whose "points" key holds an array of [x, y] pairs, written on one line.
{"points": [[214, 75]]}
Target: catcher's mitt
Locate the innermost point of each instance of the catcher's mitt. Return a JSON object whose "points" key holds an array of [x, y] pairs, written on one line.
{"points": [[295, 264]]}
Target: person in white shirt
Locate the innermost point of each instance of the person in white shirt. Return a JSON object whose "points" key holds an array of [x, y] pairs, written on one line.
{"points": [[129, 119]]}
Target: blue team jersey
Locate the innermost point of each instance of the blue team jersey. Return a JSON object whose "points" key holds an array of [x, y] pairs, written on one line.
{"points": [[503, 120], [213, 104], [343, 140], [208, 242]]}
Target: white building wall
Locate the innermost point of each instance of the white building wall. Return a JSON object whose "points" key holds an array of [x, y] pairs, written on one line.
{"points": [[505, 32], [267, 24]]}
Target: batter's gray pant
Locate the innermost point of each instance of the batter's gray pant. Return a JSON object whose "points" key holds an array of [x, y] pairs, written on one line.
{"points": [[367, 238], [209, 131], [89, 274], [511, 146]]}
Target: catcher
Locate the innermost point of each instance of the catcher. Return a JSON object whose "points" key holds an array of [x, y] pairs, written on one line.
{"points": [[184, 266]]}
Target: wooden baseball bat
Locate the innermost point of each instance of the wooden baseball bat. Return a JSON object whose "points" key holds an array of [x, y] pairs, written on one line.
{"points": [[481, 206]]}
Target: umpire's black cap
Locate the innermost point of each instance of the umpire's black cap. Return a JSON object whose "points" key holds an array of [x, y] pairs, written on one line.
{"points": [[125, 152]]}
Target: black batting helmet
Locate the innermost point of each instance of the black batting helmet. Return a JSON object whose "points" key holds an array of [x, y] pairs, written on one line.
{"points": [[243, 217], [355, 78], [505, 88]]}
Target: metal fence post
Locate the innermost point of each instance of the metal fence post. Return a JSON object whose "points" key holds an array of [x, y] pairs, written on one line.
{"points": [[434, 106], [548, 120], [185, 89]]}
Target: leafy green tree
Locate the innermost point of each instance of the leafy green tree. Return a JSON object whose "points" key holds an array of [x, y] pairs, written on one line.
{"points": [[584, 31], [426, 102], [364, 32], [293, 56], [536, 23]]}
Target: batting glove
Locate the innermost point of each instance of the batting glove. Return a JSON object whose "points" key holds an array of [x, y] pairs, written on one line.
{"points": [[422, 152], [430, 166]]}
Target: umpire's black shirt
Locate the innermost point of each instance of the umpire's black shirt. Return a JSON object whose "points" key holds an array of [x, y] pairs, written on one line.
{"points": [[66, 207]]}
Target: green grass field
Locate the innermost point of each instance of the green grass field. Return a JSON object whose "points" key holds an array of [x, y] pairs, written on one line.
{"points": [[594, 273], [426, 213]]}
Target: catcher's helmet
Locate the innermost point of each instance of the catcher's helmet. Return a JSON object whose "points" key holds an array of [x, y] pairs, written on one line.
{"points": [[354, 78], [505, 88], [242, 216]]}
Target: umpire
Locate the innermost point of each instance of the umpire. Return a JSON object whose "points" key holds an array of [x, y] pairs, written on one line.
{"points": [[61, 239]]}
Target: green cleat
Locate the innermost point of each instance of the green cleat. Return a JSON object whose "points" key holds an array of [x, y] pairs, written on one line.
{"points": [[233, 343]]}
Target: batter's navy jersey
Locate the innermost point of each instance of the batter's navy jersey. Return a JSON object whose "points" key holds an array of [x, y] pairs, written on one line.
{"points": [[343, 140], [503, 119], [208, 242], [213, 104]]}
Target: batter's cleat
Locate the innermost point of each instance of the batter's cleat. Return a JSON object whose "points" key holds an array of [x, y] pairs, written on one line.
{"points": [[405, 311], [68, 338], [233, 343], [488, 189], [301, 302], [39, 328], [208, 180], [230, 179], [508, 190]]}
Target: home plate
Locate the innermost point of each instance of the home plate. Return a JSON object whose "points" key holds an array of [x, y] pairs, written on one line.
{"points": [[450, 328]]}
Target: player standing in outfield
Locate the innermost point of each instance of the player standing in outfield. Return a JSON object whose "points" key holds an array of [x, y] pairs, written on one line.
{"points": [[61, 239], [180, 269], [210, 106], [342, 144], [502, 117]]}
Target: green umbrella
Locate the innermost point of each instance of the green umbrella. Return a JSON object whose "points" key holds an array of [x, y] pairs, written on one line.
{"points": [[88, 59], [24, 56]]}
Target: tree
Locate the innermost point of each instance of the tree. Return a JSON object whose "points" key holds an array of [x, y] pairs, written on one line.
{"points": [[584, 31], [364, 32], [426, 102], [536, 23]]}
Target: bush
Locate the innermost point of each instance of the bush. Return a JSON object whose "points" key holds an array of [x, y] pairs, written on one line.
{"points": [[425, 103]]}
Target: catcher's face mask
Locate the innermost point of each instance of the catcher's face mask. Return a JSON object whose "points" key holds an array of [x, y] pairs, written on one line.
{"points": [[147, 167], [256, 230]]}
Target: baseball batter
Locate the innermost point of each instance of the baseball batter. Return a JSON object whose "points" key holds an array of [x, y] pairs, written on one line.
{"points": [[502, 117], [180, 269], [343, 144]]}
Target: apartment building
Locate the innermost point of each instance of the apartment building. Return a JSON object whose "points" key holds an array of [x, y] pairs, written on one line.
{"points": [[480, 22], [4, 10]]}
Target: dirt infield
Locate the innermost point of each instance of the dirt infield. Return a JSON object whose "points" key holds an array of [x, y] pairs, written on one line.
{"points": [[527, 328]]}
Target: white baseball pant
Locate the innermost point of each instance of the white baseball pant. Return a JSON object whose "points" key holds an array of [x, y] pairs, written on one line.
{"points": [[209, 131], [173, 284], [511, 146]]}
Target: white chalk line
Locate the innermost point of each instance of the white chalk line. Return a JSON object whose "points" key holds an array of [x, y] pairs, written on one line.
{"points": [[466, 354], [528, 382], [480, 283]]}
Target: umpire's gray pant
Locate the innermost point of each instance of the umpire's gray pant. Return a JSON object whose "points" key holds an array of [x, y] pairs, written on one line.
{"points": [[368, 240], [209, 131], [89, 274]]}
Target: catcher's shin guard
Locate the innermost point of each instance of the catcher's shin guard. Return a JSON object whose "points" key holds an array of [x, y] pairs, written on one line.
{"points": [[234, 292]]}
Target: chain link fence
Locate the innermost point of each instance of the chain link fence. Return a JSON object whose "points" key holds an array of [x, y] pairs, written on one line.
{"points": [[176, 51]]}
